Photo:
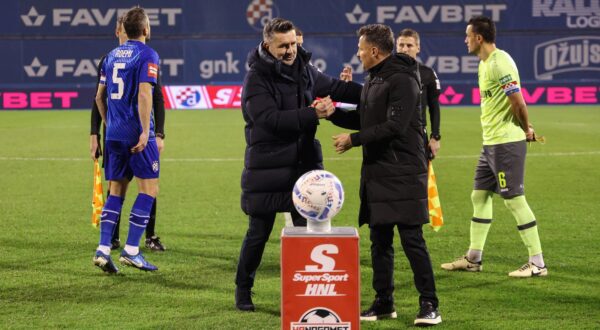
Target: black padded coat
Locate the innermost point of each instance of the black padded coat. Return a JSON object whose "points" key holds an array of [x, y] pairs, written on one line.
{"points": [[280, 127], [393, 185]]}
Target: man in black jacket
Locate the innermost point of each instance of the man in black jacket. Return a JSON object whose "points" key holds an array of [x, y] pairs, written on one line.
{"points": [[152, 241], [393, 186], [408, 42], [280, 132]]}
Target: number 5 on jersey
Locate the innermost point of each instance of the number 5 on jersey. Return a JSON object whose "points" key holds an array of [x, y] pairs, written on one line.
{"points": [[117, 80]]}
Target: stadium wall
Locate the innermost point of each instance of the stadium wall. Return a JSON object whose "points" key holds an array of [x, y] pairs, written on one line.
{"points": [[51, 48]]}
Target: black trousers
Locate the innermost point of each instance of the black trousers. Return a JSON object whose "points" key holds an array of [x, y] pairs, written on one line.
{"points": [[253, 246], [382, 258]]}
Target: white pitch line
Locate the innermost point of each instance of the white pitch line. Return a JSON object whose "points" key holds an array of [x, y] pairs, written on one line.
{"points": [[224, 160]]}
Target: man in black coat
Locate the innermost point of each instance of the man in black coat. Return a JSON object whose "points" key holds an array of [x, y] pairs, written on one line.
{"points": [[279, 89], [393, 185]]}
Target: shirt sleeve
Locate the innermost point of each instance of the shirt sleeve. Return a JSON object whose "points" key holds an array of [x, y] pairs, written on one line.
{"points": [[149, 68], [96, 120], [102, 72], [505, 74], [433, 103], [159, 107]]}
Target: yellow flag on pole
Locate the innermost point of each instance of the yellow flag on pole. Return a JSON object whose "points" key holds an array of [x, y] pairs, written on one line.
{"points": [[436, 219], [97, 195]]}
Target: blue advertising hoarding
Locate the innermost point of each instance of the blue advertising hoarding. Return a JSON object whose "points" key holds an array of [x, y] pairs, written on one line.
{"points": [[58, 44]]}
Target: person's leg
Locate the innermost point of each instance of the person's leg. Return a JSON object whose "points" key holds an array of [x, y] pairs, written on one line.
{"points": [[115, 242], [415, 249], [253, 246], [527, 226], [481, 197], [382, 261], [110, 215], [152, 241], [511, 177], [140, 213], [115, 172], [416, 252], [480, 223], [297, 219], [145, 167]]}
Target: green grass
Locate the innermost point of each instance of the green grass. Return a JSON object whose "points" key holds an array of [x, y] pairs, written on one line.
{"points": [[46, 241]]}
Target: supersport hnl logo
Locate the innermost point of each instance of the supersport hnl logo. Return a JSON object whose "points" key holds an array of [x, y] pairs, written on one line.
{"points": [[321, 278]]}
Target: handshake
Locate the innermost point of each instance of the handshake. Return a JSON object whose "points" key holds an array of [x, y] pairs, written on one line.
{"points": [[324, 107]]}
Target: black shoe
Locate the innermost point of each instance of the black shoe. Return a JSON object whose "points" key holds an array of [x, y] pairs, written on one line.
{"points": [[428, 315], [154, 244], [243, 300], [115, 244], [380, 309]]}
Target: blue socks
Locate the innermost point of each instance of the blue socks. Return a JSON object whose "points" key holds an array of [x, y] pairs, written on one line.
{"points": [[109, 218], [138, 220]]}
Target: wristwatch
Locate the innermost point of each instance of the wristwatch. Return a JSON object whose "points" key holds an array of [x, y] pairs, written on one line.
{"points": [[437, 137], [160, 135]]}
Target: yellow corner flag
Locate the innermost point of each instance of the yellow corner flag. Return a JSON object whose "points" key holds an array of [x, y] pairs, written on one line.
{"points": [[97, 196], [436, 219]]}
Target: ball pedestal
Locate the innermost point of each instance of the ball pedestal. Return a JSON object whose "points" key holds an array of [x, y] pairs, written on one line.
{"points": [[320, 277], [318, 226]]}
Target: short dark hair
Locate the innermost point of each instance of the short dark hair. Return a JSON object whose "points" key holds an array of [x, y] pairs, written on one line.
{"points": [[277, 25], [379, 35], [485, 27], [410, 33], [134, 22], [298, 31]]}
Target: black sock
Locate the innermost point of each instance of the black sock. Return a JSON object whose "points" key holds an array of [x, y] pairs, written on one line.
{"points": [[151, 222]]}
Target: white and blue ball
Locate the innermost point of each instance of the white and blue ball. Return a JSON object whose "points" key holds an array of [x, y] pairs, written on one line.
{"points": [[318, 195]]}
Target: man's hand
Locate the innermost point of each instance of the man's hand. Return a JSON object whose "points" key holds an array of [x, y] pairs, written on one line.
{"points": [[434, 146], [139, 147], [346, 74], [530, 134], [342, 143], [324, 107], [160, 143], [95, 150]]}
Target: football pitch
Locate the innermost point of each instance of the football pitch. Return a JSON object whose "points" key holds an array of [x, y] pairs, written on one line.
{"points": [[47, 279]]}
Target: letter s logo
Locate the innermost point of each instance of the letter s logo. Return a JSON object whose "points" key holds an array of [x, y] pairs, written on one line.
{"points": [[319, 256]]}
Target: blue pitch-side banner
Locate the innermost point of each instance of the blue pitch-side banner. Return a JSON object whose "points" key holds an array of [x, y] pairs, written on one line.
{"points": [[226, 17], [539, 58], [56, 44]]}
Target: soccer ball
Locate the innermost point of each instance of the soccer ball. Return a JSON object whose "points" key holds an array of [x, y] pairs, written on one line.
{"points": [[320, 316], [318, 195]]}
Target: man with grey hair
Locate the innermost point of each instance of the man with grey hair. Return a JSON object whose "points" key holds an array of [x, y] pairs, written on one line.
{"points": [[393, 185], [281, 115]]}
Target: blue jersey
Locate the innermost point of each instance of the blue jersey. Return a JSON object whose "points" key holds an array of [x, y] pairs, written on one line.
{"points": [[123, 70]]}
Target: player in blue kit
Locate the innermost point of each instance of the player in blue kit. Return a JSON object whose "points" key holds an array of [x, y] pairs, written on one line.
{"points": [[128, 76]]}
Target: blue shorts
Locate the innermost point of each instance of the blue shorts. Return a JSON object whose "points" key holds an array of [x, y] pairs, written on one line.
{"points": [[122, 164]]}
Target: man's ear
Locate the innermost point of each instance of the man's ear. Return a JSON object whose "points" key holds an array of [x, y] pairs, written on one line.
{"points": [[265, 45], [374, 51]]}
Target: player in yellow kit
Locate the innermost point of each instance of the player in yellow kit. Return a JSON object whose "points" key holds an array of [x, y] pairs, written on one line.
{"points": [[501, 166]]}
